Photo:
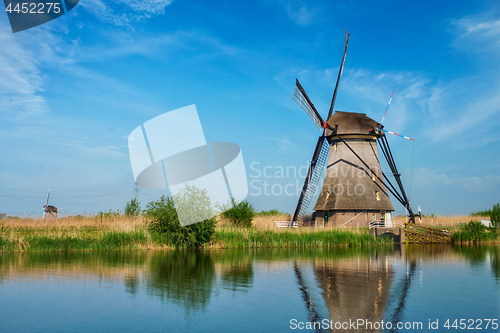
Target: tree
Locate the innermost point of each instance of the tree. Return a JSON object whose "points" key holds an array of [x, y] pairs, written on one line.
{"points": [[161, 217], [133, 208], [495, 215], [241, 214]]}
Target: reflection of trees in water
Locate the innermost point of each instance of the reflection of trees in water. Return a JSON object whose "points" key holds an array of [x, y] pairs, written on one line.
{"points": [[184, 277], [236, 268], [238, 276], [477, 256], [188, 277], [495, 264]]}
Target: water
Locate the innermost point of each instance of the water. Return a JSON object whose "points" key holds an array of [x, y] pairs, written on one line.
{"points": [[265, 290]]}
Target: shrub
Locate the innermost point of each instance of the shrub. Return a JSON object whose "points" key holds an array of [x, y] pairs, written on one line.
{"points": [[271, 212], [474, 231], [495, 215], [241, 214], [133, 208], [162, 219]]}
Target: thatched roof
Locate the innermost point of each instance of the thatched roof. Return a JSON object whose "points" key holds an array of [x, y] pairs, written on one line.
{"points": [[351, 123]]}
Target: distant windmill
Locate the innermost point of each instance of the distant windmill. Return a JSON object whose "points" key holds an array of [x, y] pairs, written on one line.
{"points": [[353, 190], [52, 210]]}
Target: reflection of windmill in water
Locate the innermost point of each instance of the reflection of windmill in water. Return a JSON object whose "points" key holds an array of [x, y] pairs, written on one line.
{"points": [[53, 211], [354, 189], [353, 289]]}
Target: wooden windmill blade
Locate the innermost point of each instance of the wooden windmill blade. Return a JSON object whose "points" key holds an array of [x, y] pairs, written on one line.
{"points": [[301, 98], [52, 210], [319, 158], [320, 154], [332, 104]]}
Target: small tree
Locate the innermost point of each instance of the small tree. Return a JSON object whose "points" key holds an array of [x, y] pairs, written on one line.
{"points": [[133, 208], [241, 214], [161, 217], [495, 215]]}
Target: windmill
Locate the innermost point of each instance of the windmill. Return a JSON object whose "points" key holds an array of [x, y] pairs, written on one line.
{"points": [[52, 210], [353, 189]]}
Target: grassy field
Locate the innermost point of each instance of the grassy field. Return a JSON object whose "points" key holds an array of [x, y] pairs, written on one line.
{"points": [[94, 233], [120, 232]]}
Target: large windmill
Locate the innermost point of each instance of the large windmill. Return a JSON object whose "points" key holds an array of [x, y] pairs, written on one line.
{"points": [[51, 210], [353, 189]]}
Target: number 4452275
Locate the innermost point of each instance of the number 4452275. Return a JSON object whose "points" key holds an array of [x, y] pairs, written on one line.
{"points": [[471, 324], [35, 8]]}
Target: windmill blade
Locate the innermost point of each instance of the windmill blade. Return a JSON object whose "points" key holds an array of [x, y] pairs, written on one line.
{"points": [[300, 97], [387, 108], [47, 202], [313, 174], [347, 34], [398, 134]]}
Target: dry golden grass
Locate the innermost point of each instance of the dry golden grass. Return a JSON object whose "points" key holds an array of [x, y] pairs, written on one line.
{"points": [[124, 223], [117, 223], [446, 220]]}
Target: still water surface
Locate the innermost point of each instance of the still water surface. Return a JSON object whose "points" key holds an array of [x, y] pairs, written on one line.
{"points": [[264, 290]]}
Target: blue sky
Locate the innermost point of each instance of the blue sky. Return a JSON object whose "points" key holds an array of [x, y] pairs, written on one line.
{"points": [[72, 90]]}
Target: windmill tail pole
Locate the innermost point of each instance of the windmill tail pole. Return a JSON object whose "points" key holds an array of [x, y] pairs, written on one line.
{"points": [[387, 108]]}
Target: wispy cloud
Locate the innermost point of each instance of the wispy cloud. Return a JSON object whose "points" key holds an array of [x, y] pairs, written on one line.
{"points": [[284, 145], [426, 177], [299, 12], [479, 32], [21, 80], [122, 13], [366, 91]]}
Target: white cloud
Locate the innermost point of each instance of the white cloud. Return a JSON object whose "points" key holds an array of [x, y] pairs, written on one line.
{"points": [[20, 80], [122, 12], [477, 33], [299, 12], [425, 177]]}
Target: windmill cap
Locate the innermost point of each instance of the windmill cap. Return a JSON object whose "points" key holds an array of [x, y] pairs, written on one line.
{"points": [[351, 123]]}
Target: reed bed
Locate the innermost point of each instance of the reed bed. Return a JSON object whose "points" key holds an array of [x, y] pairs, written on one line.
{"points": [[230, 237], [88, 233], [445, 220]]}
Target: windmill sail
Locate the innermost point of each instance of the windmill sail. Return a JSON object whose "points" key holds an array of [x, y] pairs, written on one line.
{"points": [[47, 202], [300, 97], [313, 174], [332, 104]]}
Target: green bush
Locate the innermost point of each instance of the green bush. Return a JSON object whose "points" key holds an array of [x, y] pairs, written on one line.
{"points": [[161, 217], [241, 214], [133, 208], [270, 212], [474, 231], [495, 216]]}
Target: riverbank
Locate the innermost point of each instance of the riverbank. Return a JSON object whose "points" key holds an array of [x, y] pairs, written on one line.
{"points": [[121, 233]]}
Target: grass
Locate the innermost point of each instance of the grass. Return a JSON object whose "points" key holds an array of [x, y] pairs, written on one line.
{"points": [[96, 233], [297, 238], [445, 220]]}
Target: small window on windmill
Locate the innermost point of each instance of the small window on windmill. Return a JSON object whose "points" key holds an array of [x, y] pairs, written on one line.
{"points": [[373, 216], [335, 145], [378, 196], [373, 176]]}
